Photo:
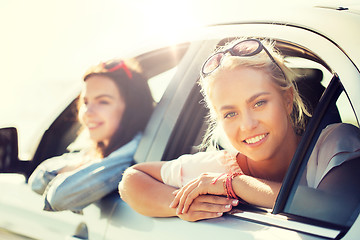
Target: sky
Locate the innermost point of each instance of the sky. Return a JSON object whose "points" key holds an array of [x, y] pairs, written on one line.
{"points": [[57, 40], [47, 45]]}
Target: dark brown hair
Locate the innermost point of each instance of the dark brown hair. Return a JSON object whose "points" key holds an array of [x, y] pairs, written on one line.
{"points": [[139, 103]]}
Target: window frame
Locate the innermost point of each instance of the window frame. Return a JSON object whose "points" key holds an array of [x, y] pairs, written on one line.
{"points": [[331, 56], [308, 142]]}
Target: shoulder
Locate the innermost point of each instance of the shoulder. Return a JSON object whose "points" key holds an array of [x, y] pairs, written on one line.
{"points": [[180, 171], [212, 161], [340, 137], [205, 157], [341, 129], [337, 144], [127, 149]]}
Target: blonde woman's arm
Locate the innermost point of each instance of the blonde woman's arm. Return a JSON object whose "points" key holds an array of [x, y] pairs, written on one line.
{"points": [[252, 190], [143, 189]]}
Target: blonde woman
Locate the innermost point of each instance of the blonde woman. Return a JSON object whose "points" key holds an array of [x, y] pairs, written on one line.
{"points": [[253, 100]]}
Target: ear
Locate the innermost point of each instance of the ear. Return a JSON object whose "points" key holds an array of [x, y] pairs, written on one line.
{"points": [[289, 99]]}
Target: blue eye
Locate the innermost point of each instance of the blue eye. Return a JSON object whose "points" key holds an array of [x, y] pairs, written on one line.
{"points": [[230, 115], [260, 103]]}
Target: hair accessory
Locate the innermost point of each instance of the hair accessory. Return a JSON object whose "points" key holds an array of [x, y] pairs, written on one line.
{"points": [[116, 65], [245, 48]]}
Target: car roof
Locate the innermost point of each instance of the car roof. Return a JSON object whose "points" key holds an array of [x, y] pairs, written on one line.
{"points": [[338, 23]]}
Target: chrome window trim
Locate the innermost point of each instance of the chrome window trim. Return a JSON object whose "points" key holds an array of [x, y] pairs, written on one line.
{"points": [[282, 221]]}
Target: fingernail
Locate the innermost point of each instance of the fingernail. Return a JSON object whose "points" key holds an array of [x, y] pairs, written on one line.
{"points": [[228, 206], [235, 202], [219, 214], [174, 204]]}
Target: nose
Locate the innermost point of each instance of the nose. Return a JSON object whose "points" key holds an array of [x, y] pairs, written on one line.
{"points": [[248, 121], [87, 110]]}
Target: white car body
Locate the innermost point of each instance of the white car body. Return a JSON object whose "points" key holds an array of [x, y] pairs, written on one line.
{"points": [[331, 34]]}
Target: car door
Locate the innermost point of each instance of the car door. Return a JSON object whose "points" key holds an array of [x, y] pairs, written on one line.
{"points": [[21, 208], [179, 128], [22, 214]]}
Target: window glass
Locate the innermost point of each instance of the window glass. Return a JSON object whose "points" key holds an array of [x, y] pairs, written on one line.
{"points": [[345, 110], [159, 83], [327, 190]]}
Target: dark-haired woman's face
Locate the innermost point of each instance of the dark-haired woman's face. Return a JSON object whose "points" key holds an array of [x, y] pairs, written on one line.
{"points": [[102, 108]]}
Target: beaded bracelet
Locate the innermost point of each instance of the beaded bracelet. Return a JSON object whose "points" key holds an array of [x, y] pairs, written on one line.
{"points": [[228, 185]]}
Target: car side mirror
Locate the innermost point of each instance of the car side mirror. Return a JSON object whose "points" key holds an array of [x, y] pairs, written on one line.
{"points": [[8, 149]]}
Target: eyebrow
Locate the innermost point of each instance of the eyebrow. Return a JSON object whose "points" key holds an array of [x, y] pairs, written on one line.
{"points": [[104, 95], [101, 96], [252, 98]]}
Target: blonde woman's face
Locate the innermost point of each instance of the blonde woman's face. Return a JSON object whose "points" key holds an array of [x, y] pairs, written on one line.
{"points": [[253, 112], [102, 108]]}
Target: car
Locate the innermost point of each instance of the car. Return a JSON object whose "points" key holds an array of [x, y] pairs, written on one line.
{"points": [[320, 43]]}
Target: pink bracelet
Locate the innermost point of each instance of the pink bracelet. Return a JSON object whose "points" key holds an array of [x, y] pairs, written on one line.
{"points": [[213, 182], [228, 185]]}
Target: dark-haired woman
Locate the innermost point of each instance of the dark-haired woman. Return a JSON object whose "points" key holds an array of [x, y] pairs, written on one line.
{"points": [[114, 107]]}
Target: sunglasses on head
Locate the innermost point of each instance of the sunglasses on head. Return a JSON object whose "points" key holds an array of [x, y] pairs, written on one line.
{"points": [[245, 48], [112, 66]]}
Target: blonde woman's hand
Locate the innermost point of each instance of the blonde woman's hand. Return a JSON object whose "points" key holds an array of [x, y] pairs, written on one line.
{"points": [[206, 183], [207, 207]]}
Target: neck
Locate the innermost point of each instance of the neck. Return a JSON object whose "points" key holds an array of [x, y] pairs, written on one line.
{"points": [[275, 168]]}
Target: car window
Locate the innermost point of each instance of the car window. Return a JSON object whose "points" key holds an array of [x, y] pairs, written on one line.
{"points": [[159, 83], [335, 201], [313, 81], [63, 135]]}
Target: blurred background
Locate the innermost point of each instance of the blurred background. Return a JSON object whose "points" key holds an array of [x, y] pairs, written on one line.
{"points": [[46, 46]]}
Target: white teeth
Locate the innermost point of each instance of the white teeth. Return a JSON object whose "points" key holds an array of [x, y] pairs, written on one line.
{"points": [[91, 125], [255, 139]]}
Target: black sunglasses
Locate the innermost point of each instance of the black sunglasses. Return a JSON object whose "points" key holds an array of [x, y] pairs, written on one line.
{"points": [[245, 48]]}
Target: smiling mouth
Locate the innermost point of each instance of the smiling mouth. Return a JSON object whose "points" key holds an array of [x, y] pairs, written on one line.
{"points": [[93, 125], [255, 139]]}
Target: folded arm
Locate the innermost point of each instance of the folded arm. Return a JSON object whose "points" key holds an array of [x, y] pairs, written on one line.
{"points": [[76, 189], [252, 190], [143, 189], [48, 170]]}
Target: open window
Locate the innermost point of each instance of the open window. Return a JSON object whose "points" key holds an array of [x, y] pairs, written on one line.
{"points": [[331, 205], [332, 199], [158, 66]]}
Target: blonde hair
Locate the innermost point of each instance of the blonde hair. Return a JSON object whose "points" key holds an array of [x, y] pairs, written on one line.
{"points": [[284, 78]]}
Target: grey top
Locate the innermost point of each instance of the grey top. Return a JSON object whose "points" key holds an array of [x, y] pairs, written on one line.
{"points": [[338, 143]]}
